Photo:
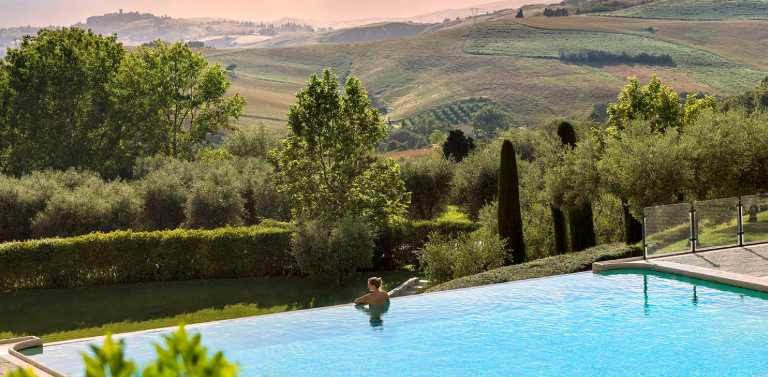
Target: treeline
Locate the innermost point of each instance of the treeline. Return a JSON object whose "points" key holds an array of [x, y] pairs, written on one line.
{"points": [[598, 56], [556, 12]]}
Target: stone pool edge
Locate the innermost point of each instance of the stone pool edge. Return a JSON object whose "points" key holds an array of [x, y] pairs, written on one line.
{"points": [[9, 351], [714, 276]]}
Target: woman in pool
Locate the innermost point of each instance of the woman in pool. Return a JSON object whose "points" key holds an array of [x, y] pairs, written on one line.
{"points": [[377, 298]]}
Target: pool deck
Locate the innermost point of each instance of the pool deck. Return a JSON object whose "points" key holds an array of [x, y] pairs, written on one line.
{"points": [[743, 267]]}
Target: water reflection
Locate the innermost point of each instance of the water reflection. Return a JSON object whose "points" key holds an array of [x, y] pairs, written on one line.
{"points": [[375, 313]]}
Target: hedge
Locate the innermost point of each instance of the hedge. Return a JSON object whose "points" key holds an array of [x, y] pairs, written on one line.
{"points": [[395, 246], [132, 257], [556, 265]]}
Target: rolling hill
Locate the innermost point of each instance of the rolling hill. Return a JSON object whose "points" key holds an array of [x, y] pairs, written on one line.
{"points": [[513, 63]]}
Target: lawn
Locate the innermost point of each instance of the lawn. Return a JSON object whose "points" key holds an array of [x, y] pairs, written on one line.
{"points": [[62, 314]]}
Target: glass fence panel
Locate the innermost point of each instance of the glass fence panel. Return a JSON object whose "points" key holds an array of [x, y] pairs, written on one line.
{"points": [[717, 223], [667, 228], [755, 218]]}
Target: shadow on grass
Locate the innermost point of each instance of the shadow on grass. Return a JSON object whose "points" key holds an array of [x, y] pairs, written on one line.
{"points": [[60, 314]]}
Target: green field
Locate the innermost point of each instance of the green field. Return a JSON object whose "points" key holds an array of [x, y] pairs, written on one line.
{"points": [[510, 63], [696, 10]]}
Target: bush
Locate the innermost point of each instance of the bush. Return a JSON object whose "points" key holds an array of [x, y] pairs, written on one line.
{"points": [[430, 182], [395, 245], [133, 257], [556, 265], [332, 248], [256, 142], [263, 201], [163, 197], [444, 258], [212, 205], [476, 180], [85, 209]]}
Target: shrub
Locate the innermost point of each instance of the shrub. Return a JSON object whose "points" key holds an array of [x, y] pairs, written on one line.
{"points": [[556, 265], [132, 257], [332, 248], [263, 201], [163, 197], [256, 142], [476, 180], [444, 258], [430, 182], [211, 206]]}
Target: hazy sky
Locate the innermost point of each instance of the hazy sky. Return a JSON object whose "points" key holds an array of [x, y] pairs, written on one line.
{"points": [[67, 12]]}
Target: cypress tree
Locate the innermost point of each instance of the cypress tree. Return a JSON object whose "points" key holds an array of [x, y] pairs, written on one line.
{"points": [[510, 218], [558, 225], [579, 217], [633, 229]]}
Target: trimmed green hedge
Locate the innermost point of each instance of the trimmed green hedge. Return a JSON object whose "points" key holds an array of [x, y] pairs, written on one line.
{"points": [[131, 257], [557, 265], [395, 245]]}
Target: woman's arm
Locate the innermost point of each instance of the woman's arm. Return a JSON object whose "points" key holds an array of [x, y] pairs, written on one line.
{"points": [[362, 300]]}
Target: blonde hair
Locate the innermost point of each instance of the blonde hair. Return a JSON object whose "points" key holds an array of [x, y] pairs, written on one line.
{"points": [[376, 282]]}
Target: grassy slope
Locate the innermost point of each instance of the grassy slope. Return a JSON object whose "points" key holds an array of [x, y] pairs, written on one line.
{"points": [[511, 63], [557, 265], [697, 10], [62, 314]]}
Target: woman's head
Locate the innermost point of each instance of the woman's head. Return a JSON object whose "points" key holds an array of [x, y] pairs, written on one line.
{"points": [[376, 282]]}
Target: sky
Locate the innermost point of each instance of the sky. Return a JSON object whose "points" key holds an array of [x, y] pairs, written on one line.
{"points": [[67, 12]]}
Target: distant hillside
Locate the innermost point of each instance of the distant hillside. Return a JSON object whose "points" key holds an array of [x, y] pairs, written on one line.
{"points": [[508, 62], [697, 10]]}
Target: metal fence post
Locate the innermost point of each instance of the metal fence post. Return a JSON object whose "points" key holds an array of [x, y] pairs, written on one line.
{"points": [[693, 229], [740, 222], [645, 247]]}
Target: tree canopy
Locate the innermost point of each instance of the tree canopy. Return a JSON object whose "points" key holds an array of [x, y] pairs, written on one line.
{"points": [[328, 166], [71, 98], [489, 119]]}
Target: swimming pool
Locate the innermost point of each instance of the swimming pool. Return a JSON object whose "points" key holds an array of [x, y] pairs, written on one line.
{"points": [[631, 324]]}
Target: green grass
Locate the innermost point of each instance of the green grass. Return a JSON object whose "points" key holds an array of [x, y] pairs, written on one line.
{"points": [[62, 314], [557, 265], [453, 214], [713, 235], [697, 10]]}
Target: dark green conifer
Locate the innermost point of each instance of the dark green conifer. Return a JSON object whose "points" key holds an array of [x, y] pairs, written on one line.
{"points": [[510, 218], [579, 216]]}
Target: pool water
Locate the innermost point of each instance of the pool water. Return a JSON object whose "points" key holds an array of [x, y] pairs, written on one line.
{"points": [[630, 324]]}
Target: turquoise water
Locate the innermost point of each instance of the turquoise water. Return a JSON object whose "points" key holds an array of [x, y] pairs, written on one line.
{"points": [[618, 324]]}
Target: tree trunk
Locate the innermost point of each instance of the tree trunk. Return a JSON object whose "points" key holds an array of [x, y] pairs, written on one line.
{"points": [[582, 228], [560, 233]]}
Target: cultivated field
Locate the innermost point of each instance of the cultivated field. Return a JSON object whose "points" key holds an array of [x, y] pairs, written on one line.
{"points": [[511, 62]]}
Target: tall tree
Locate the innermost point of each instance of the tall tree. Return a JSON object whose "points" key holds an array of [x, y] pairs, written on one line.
{"points": [[457, 146], [55, 97], [580, 217], [510, 217], [176, 91], [328, 166]]}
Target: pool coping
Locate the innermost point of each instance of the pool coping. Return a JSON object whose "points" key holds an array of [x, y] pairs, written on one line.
{"points": [[9, 351], [732, 279]]}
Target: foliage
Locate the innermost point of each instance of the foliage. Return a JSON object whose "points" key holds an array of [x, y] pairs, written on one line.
{"points": [[184, 356], [56, 98], [209, 155], [457, 146], [332, 248], [75, 99], [256, 142], [556, 265], [180, 95], [327, 166], [598, 56], [131, 257], [510, 223], [212, 205], [395, 244], [750, 101], [656, 103], [429, 181], [476, 179], [489, 119], [444, 258]]}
